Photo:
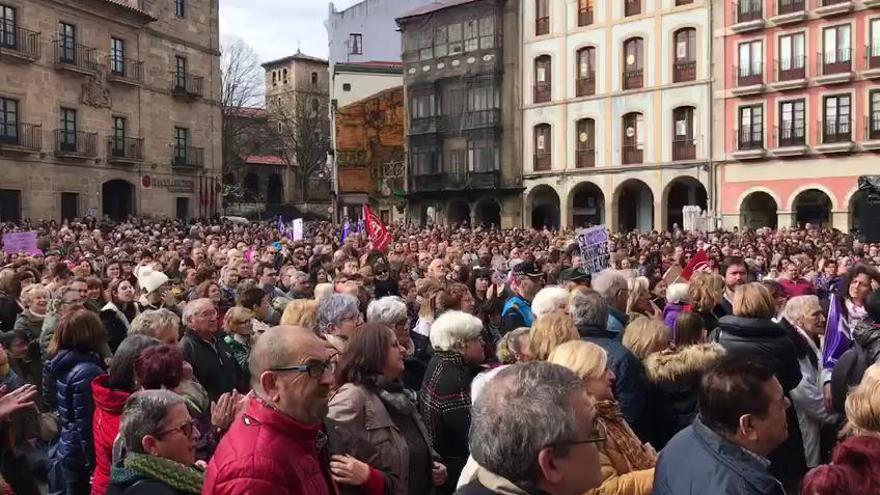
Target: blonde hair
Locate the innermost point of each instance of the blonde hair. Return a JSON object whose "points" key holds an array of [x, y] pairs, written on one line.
{"points": [[645, 336], [638, 287], [548, 332], [706, 290], [585, 359], [301, 313], [323, 291], [31, 291], [753, 300], [863, 407], [509, 346], [235, 317]]}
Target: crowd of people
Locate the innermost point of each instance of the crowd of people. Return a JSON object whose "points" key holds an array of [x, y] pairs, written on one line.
{"points": [[161, 357]]}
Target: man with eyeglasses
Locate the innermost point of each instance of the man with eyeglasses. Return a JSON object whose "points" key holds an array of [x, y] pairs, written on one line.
{"points": [[211, 358], [533, 432], [278, 445]]}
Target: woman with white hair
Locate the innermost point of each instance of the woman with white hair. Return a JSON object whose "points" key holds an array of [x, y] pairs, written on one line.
{"points": [[677, 300], [445, 397], [550, 300], [339, 317], [35, 299]]}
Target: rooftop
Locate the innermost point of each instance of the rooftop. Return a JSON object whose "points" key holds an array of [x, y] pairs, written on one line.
{"points": [[433, 7], [374, 67], [250, 112], [273, 160], [298, 56]]}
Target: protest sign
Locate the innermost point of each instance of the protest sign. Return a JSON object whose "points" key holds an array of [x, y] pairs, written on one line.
{"points": [[298, 229], [20, 242], [593, 243]]}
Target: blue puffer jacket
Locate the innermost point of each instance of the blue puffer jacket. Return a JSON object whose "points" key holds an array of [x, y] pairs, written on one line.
{"points": [[70, 373]]}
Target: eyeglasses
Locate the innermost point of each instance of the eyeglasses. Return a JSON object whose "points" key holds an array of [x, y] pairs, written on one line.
{"points": [[598, 435], [314, 369], [186, 428]]}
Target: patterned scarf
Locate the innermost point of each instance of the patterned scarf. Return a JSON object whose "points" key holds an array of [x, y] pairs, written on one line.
{"points": [[181, 478], [630, 454]]}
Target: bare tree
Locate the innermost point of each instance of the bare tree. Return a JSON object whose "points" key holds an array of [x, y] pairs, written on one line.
{"points": [[242, 88], [303, 127]]}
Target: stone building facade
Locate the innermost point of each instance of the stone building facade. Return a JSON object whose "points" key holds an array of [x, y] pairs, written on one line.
{"points": [[109, 107]]}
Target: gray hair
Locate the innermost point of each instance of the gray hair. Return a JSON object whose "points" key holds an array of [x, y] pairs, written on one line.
{"points": [[609, 283], [798, 308], [588, 308], [451, 330], [194, 307], [144, 414], [546, 300], [298, 275], [334, 309], [389, 310], [524, 409], [151, 321]]}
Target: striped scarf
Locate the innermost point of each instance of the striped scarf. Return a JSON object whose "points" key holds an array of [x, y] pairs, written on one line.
{"points": [[179, 477]]}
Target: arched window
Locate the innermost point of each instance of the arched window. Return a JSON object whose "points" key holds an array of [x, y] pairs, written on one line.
{"points": [[586, 72], [585, 144], [685, 65], [633, 71], [314, 78], [543, 147], [633, 127], [284, 76], [684, 146], [543, 79]]}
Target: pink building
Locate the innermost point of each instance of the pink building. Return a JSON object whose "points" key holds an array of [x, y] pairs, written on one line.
{"points": [[797, 113]]}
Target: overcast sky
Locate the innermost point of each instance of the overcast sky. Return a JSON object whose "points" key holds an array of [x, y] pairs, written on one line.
{"points": [[274, 27]]}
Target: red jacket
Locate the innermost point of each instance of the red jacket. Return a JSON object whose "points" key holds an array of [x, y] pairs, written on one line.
{"points": [[105, 427], [268, 453], [799, 287]]}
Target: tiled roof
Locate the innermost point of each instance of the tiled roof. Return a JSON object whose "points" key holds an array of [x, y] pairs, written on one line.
{"points": [[265, 160], [434, 7], [296, 56], [133, 5]]}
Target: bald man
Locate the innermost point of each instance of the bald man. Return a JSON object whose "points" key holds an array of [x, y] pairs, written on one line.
{"points": [[270, 448]]}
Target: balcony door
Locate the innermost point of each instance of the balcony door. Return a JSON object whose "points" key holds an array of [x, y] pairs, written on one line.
{"points": [[117, 56], [684, 146], [8, 23], [586, 71], [837, 55], [8, 121], [118, 136], [180, 72], [543, 147], [792, 123], [751, 63], [751, 131], [633, 53], [585, 150], [181, 143], [633, 127], [874, 117], [874, 47], [67, 134], [543, 79], [792, 58], [66, 43], [685, 67], [837, 119]]}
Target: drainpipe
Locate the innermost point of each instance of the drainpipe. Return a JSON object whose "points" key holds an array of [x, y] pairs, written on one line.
{"points": [[713, 193]]}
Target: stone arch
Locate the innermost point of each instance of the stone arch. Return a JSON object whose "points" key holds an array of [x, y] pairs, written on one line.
{"points": [[857, 202], [275, 190], [117, 199], [682, 191], [806, 187], [634, 202], [543, 207], [586, 204], [458, 211], [758, 209], [487, 212], [813, 206]]}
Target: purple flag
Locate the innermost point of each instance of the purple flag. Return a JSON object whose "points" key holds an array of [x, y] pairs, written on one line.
{"points": [[838, 335]]}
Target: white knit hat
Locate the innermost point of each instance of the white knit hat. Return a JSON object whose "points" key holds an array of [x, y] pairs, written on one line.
{"points": [[149, 280]]}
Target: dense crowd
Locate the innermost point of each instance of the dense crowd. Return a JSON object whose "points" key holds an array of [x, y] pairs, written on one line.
{"points": [[162, 357]]}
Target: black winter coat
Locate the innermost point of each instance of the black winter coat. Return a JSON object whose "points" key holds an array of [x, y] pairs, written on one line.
{"points": [[68, 378], [766, 342], [9, 311], [673, 382], [213, 365]]}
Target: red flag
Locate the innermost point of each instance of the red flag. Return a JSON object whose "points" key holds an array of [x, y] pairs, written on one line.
{"points": [[698, 263], [376, 230]]}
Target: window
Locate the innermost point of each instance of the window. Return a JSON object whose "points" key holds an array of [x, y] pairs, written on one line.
{"points": [[543, 80], [751, 63], [355, 44], [685, 67], [633, 144], [67, 130], [66, 43], [483, 97], [874, 124], [179, 8], [586, 72], [632, 7], [874, 47], [751, 131], [117, 56], [487, 33], [585, 12], [792, 123], [684, 146], [8, 35], [284, 75], [8, 121], [424, 161], [422, 106], [483, 155], [346, 87], [543, 154], [314, 79], [633, 75], [837, 119], [792, 61], [585, 144], [181, 142], [836, 54], [441, 42], [456, 45], [457, 162], [471, 35], [274, 78], [179, 72], [542, 17], [749, 10], [118, 136]]}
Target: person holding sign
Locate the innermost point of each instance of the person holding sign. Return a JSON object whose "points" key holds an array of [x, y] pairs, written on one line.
{"points": [[525, 281]]}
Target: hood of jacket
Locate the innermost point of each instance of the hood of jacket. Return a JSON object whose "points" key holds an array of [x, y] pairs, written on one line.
{"points": [[671, 366], [67, 359], [750, 327], [107, 399], [868, 336]]}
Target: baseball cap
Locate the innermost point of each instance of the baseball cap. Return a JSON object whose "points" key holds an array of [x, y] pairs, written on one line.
{"points": [[528, 269]]}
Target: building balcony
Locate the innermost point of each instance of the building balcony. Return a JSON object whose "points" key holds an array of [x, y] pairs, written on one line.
{"points": [[684, 71], [454, 180], [749, 80], [835, 67], [481, 119], [542, 26], [749, 145], [424, 125], [633, 79], [427, 182], [187, 85], [542, 92], [835, 137], [187, 157], [76, 58], [482, 180], [791, 73], [585, 158], [586, 86], [827, 8], [125, 71], [543, 162], [749, 15], [19, 43], [76, 144], [871, 3], [871, 138], [585, 16], [791, 141], [632, 7], [21, 137], [683, 149], [632, 154], [872, 62], [789, 11], [124, 150]]}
